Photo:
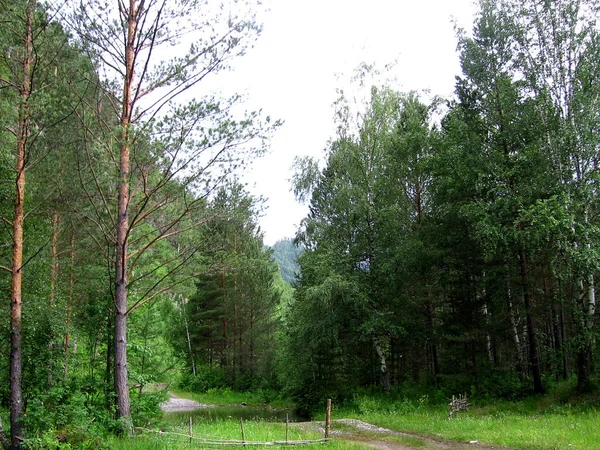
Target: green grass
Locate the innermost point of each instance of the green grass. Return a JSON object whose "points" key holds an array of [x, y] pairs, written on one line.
{"points": [[556, 421], [558, 430], [258, 431], [559, 420], [517, 431]]}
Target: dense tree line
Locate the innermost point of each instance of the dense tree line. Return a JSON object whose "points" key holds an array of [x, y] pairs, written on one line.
{"points": [[454, 243], [232, 316]]}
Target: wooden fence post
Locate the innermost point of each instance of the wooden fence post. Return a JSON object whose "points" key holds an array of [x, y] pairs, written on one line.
{"points": [[287, 426], [243, 434]]}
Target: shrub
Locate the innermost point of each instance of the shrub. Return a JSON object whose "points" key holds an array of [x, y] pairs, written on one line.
{"points": [[206, 378], [145, 408]]}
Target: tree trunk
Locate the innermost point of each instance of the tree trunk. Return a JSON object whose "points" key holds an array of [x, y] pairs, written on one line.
{"points": [[69, 304], [120, 367], [584, 367], [584, 353], [488, 336], [534, 359], [515, 336], [565, 356], [121, 280], [189, 340], [54, 256], [16, 351], [385, 377], [434, 348]]}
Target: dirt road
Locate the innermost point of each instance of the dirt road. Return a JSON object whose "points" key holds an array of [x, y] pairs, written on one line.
{"points": [[373, 436], [178, 404]]}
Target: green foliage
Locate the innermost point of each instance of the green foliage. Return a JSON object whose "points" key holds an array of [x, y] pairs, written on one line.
{"points": [[145, 408], [206, 379], [368, 404], [226, 396], [66, 417]]}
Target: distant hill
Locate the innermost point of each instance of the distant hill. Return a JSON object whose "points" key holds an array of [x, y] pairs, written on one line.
{"points": [[285, 253]]}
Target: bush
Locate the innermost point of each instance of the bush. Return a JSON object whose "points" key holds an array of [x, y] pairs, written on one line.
{"points": [[365, 404], [145, 408], [55, 409], [206, 378]]}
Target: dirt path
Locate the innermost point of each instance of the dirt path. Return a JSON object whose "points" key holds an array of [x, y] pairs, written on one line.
{"points": [[382, 438], [178, 404]]}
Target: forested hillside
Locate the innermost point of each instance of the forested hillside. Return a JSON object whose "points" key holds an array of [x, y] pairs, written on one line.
{"points": [[451, 244], [286, 253]]}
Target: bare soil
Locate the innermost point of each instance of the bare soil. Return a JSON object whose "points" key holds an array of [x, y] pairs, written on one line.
{"points": [[178, 404]]}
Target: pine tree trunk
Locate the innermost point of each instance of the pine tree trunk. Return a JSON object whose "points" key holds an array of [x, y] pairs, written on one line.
{"points": [[534, 359], [16, 351], [120, 367], [121, 281]]}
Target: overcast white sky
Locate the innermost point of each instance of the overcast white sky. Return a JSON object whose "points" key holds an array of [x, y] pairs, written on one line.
{"points": [[291, 75]]}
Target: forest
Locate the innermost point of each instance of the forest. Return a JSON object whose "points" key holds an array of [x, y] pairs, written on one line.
{"points": [[450, 245]]}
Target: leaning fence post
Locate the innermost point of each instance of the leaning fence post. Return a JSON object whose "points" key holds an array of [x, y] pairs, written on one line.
{"points": [[328, 418], [243, 434], [191, 431]]}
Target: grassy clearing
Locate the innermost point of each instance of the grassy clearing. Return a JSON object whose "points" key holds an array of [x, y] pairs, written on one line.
{"points": [[229, 397], [559, 420], [543, 432]]}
